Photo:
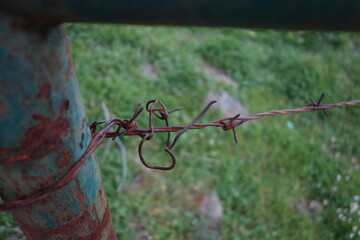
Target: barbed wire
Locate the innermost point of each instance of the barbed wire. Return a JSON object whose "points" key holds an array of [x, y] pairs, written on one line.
{"points": [[129, 127]]}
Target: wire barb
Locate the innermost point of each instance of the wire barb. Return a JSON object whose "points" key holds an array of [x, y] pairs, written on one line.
{"points": [[229, 125], [318, 104]]}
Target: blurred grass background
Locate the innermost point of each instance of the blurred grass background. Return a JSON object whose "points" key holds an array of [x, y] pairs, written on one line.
{"points": [[289, 177]]}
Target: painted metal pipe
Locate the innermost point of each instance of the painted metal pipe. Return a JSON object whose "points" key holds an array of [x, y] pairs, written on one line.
{"points": [[43, 131], [276, 14]]}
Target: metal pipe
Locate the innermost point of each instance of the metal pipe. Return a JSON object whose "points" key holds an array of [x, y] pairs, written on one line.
{"points": [[277, 14], [43, 131]]}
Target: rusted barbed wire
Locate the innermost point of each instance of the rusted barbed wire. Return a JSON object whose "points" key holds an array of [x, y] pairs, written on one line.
{"points": [[129, 127]]}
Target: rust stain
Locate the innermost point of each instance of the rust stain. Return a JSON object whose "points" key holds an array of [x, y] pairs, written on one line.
{"points": [[70, 67], [25, 26], [30, 27], [64, 106], [84, 227], [26, 177], [40, 139], [112, 235], [98, 228], [44, 91], [70, 71], [66, 160], [71, 229], [41, 166], [4, 108], [45, 135]]}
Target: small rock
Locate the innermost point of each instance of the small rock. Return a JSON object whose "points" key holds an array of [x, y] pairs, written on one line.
{"points": [[301, 207], [228, 105], [211, 212], [315, 207], [218, 74], [137, 182], [148, 69], [211, 207], [140, 231]]}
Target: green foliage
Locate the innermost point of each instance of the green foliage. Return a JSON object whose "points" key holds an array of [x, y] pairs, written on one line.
{"points": [[259, 180]]}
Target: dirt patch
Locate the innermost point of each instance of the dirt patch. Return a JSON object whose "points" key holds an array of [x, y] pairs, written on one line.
{"points": [[148, 69], [227, 104], [211, 215], [218, 74]]}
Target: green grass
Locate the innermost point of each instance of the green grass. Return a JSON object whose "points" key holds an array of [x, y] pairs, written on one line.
{"points": [[258, 180]]}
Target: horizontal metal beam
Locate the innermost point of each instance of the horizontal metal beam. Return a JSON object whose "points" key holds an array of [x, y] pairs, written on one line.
{"points": [[277, 14]]}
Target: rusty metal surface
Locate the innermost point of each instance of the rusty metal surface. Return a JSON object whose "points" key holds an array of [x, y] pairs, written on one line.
{"points": [[43, 132], [277, 14]]}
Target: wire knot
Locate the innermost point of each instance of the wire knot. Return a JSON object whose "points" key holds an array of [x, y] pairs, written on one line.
{"points": [[226, 126], [93, 127], [231, 125], [130, 125]]}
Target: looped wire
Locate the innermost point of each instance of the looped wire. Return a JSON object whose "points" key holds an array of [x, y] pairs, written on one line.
{"points": [[129, 124], [94, 125], [150, 108], [162, 114]]}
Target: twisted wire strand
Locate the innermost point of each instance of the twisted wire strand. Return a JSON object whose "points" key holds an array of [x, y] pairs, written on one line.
{"points": [[131, 129]]}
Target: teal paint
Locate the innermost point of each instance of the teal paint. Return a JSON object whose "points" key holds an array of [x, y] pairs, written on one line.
{"points": [[42, 122], [49, 220]]}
